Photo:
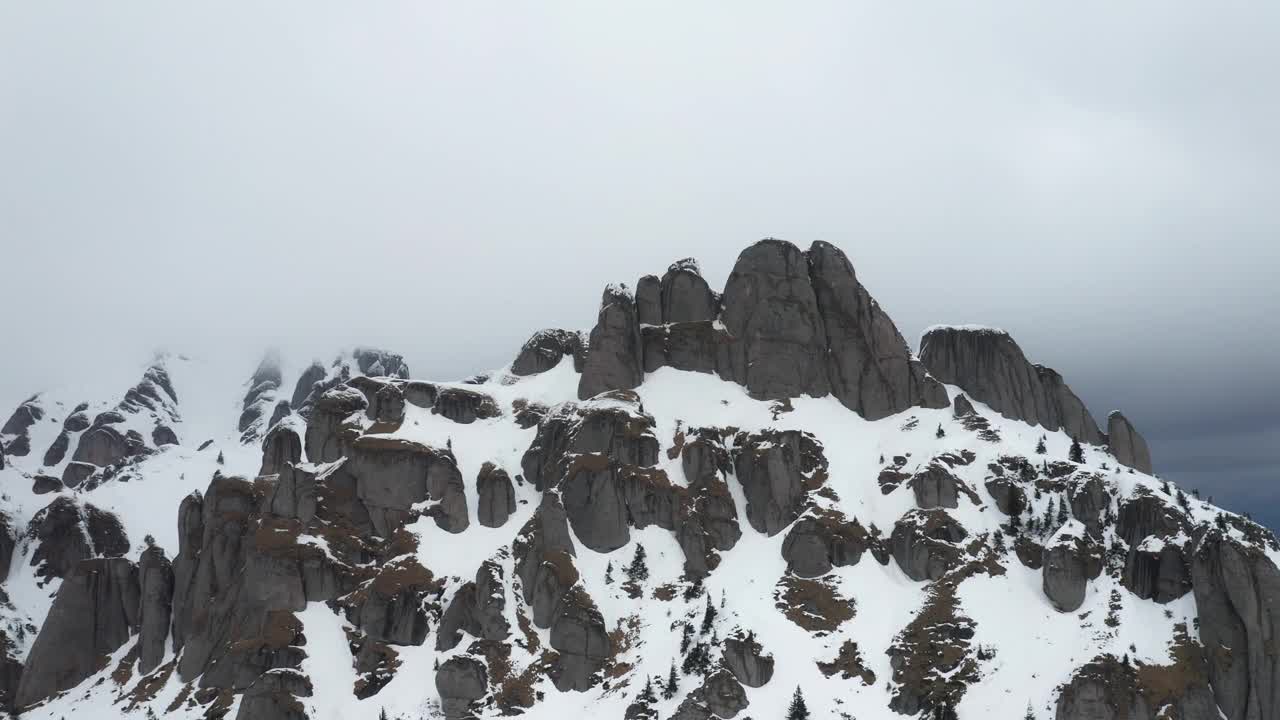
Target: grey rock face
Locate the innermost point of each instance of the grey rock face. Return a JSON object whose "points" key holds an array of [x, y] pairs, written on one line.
{"points": [[935, 486], [163, 435], [421, 394], [155, 582], [76, 421], [778, 347], [594, 502], [1010, 498], [282, 446], [991, 367], [273, 696], [961, 407], [76, 473], [613, 355], [816, 544], [774, 468], [381, 363], [497, 496], [1127, 444], [8, 541], [685, 295], [43, 484], [326, 437], [57, 449], [747, 660], [924, 543], [1089, 500], [477, 608], [1068, 566], [1109, 689], [546, 348], [461, 681], [306, 383], [1159, 574], [649, 300], [544, 553], [579, 634], [1236, 590], [15, 428], [102, 446], [389, 405], [871, 369], [464, 406], [94, 613], [68, 533], [392, 475]]}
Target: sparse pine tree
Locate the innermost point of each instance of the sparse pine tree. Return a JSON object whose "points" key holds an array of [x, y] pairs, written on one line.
{"points": [[1040, 448], [882, 459], [221, 460], [998, 542], [608, 573], [940, 433], [1164, 486], [1196, 492], [1076, 453], [638, 570], [708, 617], [1062, 513], [382, 714], [1031, 714], [723, 598], [686, 637], [646, 695], [673, 683], [1048, 514], [797, 710]]}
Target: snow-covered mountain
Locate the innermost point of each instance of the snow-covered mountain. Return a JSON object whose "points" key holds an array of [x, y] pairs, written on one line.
{"points": [[707, 504]]}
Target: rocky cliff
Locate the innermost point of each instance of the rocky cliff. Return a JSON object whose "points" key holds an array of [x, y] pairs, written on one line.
{"points": [[708, 502]]}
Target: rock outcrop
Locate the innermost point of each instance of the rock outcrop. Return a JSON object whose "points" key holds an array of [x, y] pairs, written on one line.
{"points": [[546, 348], [925, 544], [748, 662], [15, 438], [613, 356], [776, 470], [1071, 560], [871, 369], [497, 496], [1127, 444], [155, 583], [991, 367], [94, 613], [461, 681], [68, 532]]}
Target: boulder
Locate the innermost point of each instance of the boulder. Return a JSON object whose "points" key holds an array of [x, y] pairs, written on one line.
{"points": [[961, 407], [391, 608], [925, 544], [1010, 498], [77, 421], [826, 539], [93, 614], [595, 504], [420, 394], [67, 533], [1111, 689], [1071, 560], [871, 369], [746, 659], [388, 406], [1157, 570], [778, 345], [1089, 500], [991, 368], [461, 681], [546, 348], [76, 473], [282, 410], [497, 496], [1127, 444], [774, 468], [477, 608], [27, 414], [155, 582], [8, 541], [273, 696], [613, 356], [544, 552]]}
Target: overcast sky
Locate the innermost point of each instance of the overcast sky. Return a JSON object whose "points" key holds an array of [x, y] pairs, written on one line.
{"points": [[1101, 179]]}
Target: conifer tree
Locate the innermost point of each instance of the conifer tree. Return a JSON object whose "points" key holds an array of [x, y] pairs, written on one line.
{"points": [[646, 695], [708, 617], [686, 637], [1062, 513], [673, 683], [1031, 714], [608, 573], [797, 710], [638, 570], [1040, 449], [998, 541], [1076, 453], [941, 433]]}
